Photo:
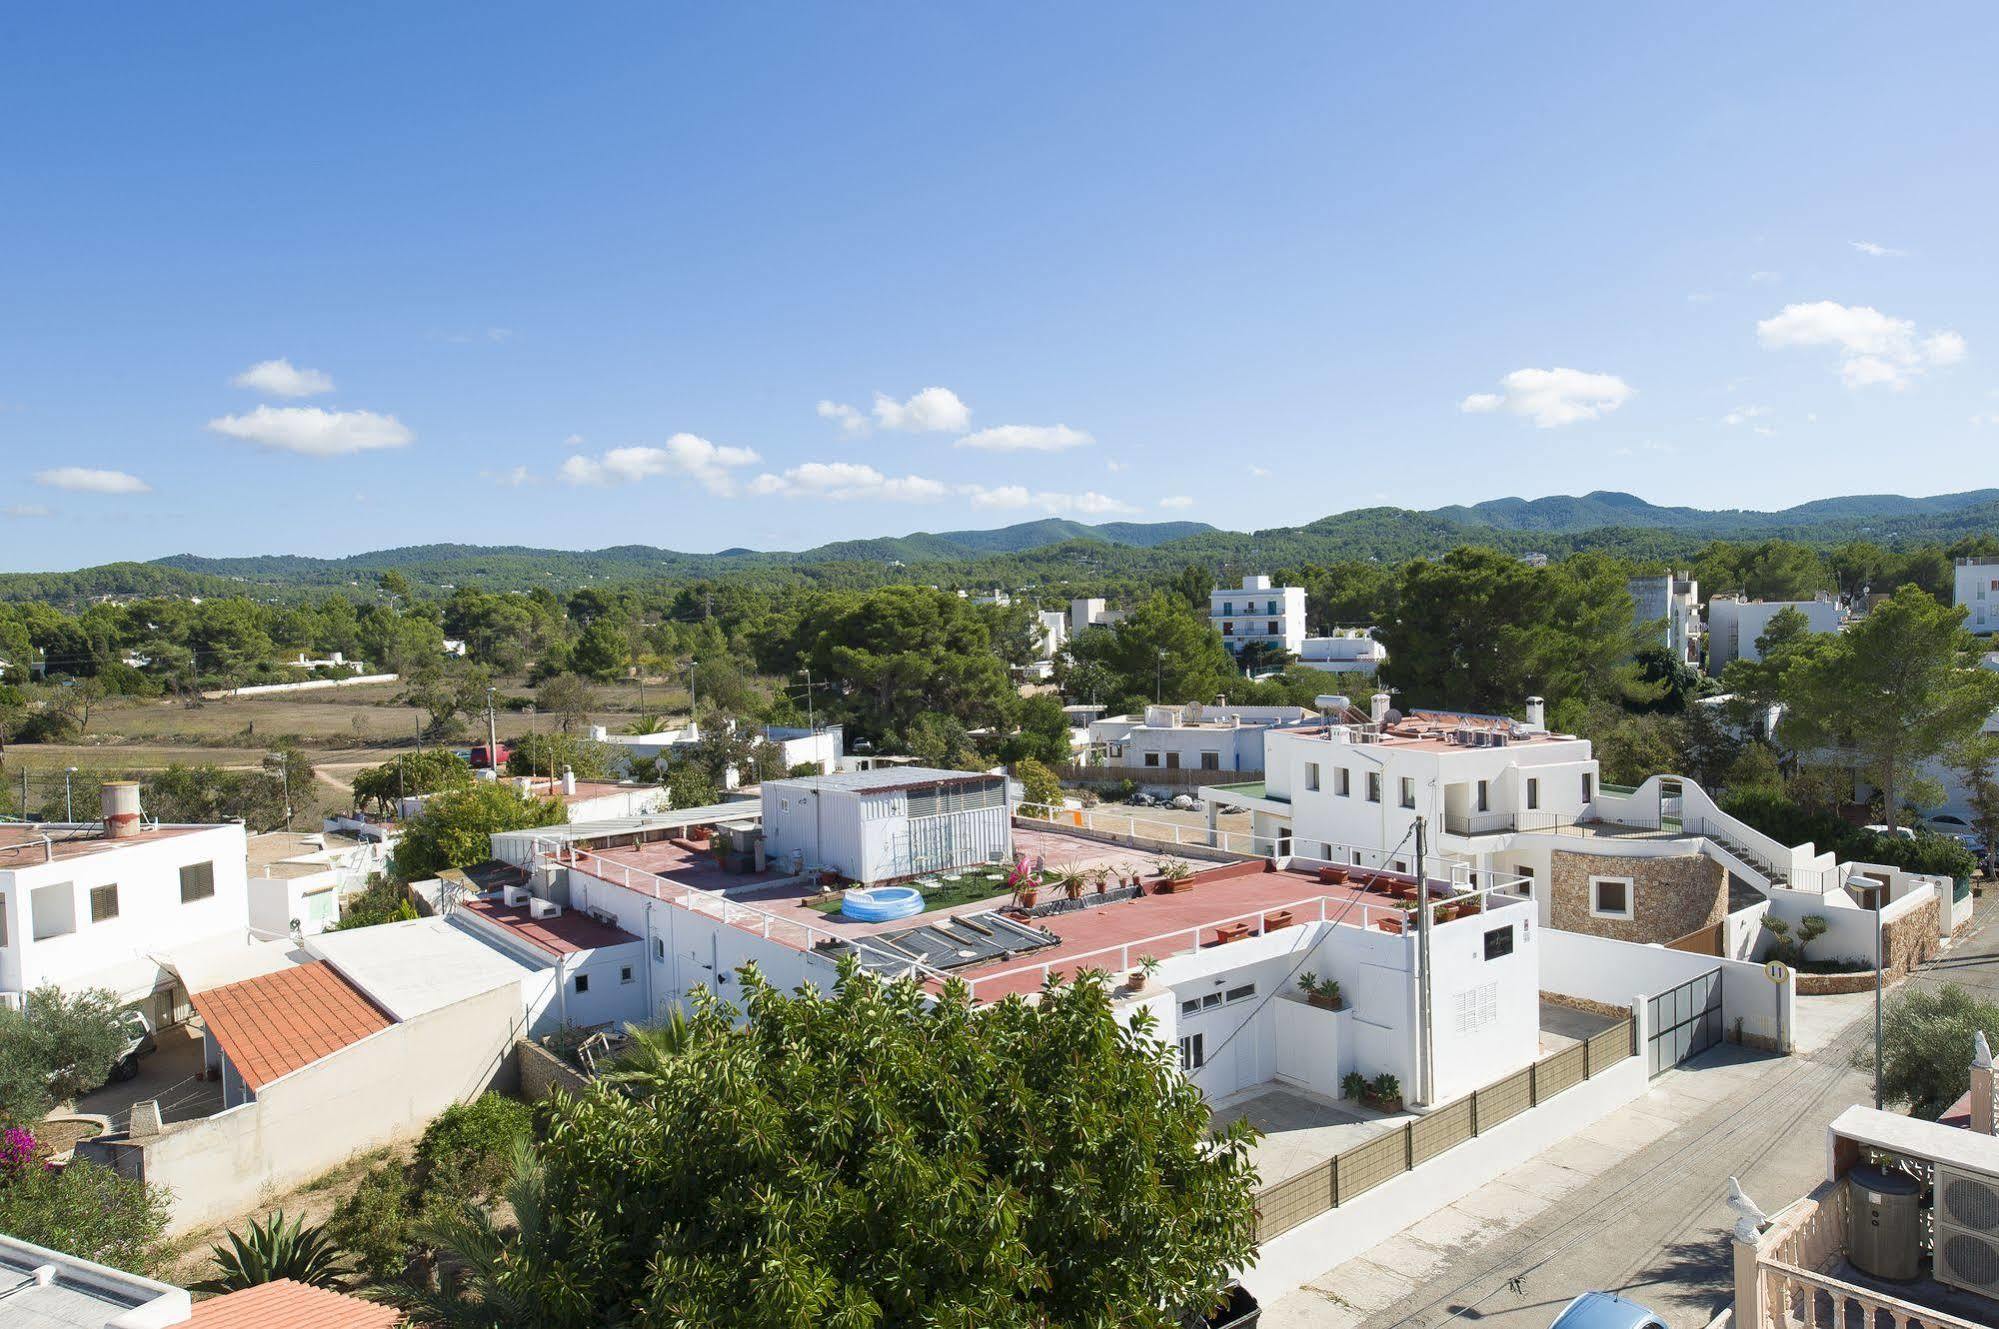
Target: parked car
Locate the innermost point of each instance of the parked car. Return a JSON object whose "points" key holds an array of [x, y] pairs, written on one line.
{"points": [[1949, 823], [139, 1042], [1605, 1310], [1881, 828]]}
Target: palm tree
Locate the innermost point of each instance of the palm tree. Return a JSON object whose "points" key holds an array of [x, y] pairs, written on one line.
{"points": [[646, 1055], [491, 1277], [276, 1249]]}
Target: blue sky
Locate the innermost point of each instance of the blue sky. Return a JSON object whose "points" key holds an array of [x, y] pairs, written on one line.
{"points": [[584, 275]]}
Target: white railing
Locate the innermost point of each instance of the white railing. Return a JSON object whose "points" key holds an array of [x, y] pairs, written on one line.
{"points": [[791, 932], [1134, 827], [1794, 1286]]}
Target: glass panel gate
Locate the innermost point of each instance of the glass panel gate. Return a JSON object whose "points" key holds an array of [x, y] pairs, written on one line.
{"points": [[1685, 1022]]}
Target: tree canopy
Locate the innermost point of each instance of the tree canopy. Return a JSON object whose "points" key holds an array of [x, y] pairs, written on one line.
{"points": [[453, 829], [876, 1159]]}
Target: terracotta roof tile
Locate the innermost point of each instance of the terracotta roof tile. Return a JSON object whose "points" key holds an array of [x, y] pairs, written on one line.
{"points": [[289, 1305], [272, 1025]]}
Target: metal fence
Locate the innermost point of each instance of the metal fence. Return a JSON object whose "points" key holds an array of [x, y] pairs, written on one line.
{"points": [[1328, 1185]]}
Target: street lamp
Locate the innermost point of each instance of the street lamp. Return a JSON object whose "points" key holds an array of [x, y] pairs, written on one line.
{"points": [[68, 807], [1159, 683]]}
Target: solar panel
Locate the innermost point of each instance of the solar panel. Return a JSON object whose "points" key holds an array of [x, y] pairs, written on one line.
{"points": [[949, 943]]}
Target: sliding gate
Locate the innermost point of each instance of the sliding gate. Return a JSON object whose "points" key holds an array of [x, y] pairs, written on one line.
{"points": [[1685, 1021]]}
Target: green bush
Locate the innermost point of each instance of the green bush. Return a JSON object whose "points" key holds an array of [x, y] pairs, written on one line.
{"points": [[467, 1152], [85, 1210], [57, 1046], [374, 1223]]}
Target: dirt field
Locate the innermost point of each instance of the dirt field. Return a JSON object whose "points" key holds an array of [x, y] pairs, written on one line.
{"points": [[340, 731]]}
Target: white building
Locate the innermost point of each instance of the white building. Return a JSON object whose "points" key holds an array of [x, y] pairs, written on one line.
{"points": [[1355, 652], [1734, 624], [296, 880], [797, 746], [105, 904], [1258, 612], [1193, 737], [1091, 613], [1978, 593], [884, 825], [1674, 599]]}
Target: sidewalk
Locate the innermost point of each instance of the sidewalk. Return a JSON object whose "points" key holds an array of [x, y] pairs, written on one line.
{"points": [[1449, 1241]]}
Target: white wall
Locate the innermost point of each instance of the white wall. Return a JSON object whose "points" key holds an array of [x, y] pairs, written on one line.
{"points": [[385, 1087], [151, 917], [1619, 972], [1485, 1014], [1313, 1045]]}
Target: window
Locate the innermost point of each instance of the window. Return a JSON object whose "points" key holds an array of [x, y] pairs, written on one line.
{"points": [[1533, 793], [1477, 1007], [1589, 788], [1374, 786], [1228, 607], [1172, 761], [1526, 886], [1210, 1000], [1311, 775], [1152, 759], [659, 948], [1193, 1052], [1408, 792], [1270, 607], [1242, 993], [1228, 629], [1498, 942], [582, 983], [103, 902], [197, 882], [624, 973], [54, 910], [1191, 1006], [1342, 781], [1211, 761], [1484, 796], [1273, 627], [1610, 897]]}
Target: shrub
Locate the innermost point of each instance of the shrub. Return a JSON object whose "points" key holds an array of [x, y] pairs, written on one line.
{"points": [[373, 1224], [58, 1045], [1352, 1085], [85, 1210], [467, 1152], [1927, 1039], [274, 1250]]}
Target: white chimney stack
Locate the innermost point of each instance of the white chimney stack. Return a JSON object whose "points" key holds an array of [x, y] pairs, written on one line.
{"points": [[1537, 713], [1377, 710], [569, 781]]}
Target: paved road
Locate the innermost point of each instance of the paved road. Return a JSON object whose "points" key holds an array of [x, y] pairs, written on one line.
{"points": [[1651, 1224]]}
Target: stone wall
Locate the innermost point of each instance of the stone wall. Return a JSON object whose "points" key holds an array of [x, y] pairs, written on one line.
{"points": [[1670, 897], [542, 1072], [1912, 938]]}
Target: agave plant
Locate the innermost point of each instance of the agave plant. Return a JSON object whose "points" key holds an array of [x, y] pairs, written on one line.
{"points": [[273, 1249]]}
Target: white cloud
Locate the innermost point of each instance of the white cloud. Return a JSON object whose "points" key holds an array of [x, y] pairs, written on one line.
{"points": [[1260, 472], [1005, 496], [1874, 348], [1651, 447], [1026, 438], [1113, 465], [1551, 397], [1176, 501], [24, 511], [931, 411], [84, 480], [688, 455], [573, 442], [315, 432], [281, 378], [842, 481], [1872, 250], [1089, 504], [512, 478], [851, 421], [1744, 414]]}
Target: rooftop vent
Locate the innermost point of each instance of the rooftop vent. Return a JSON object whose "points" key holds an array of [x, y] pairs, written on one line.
{"points": [[540, 908], [120, 799], [515, 896]]}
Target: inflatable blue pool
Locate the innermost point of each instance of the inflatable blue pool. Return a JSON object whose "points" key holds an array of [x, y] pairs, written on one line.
{"points": [[882, 903]]}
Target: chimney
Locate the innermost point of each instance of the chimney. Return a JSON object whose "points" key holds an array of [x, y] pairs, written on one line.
{"points": [[569, 781], [1537, 713], [145, 1119], [121, 809], [1983, 1107], [1378, 708]]}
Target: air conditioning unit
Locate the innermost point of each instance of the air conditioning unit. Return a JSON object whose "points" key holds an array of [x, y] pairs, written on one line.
{"points": [[604, 916], [540, 908], [1967, 1230], [514, 896]]}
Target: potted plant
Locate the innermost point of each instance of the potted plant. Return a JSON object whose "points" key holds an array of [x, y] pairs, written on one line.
{"points": [[1353, 1085], [1070, 882], [1100, 880], [1321, 992], [1141, 974], [1174, 876], [1024, 884], [1384, 1093]]}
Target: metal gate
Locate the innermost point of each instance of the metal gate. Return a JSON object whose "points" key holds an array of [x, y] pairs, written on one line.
{"points": [[1685, 1022]]}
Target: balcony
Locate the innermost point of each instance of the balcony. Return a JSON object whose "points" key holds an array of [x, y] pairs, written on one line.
{"points": [[1505, 823]]}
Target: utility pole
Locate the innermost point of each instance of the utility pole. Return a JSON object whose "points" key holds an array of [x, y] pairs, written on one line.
{"points": [[492, 735], [68, 807], [285, 774], [811, 713], [1423, 1061], [1159, 681], [1879, 959]]}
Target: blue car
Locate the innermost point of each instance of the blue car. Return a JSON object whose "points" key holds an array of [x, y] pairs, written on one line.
{"points": [[1605, 1310]]}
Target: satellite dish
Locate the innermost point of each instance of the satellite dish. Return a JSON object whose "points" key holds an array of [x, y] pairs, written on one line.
{"points": [[1393, 716]]}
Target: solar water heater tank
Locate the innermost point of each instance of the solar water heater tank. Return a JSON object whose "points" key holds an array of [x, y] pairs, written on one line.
{"points": [[1884, 1223]]}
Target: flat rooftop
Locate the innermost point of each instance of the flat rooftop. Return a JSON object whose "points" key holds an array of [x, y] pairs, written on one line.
{"points": [[418, 965], [565, 934], [1438, 731], [275, 847], [22, 845], [81, 1296], [883, 779]]}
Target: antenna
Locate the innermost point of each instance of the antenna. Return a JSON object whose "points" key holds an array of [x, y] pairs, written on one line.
{"points": [[804, 693]]}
